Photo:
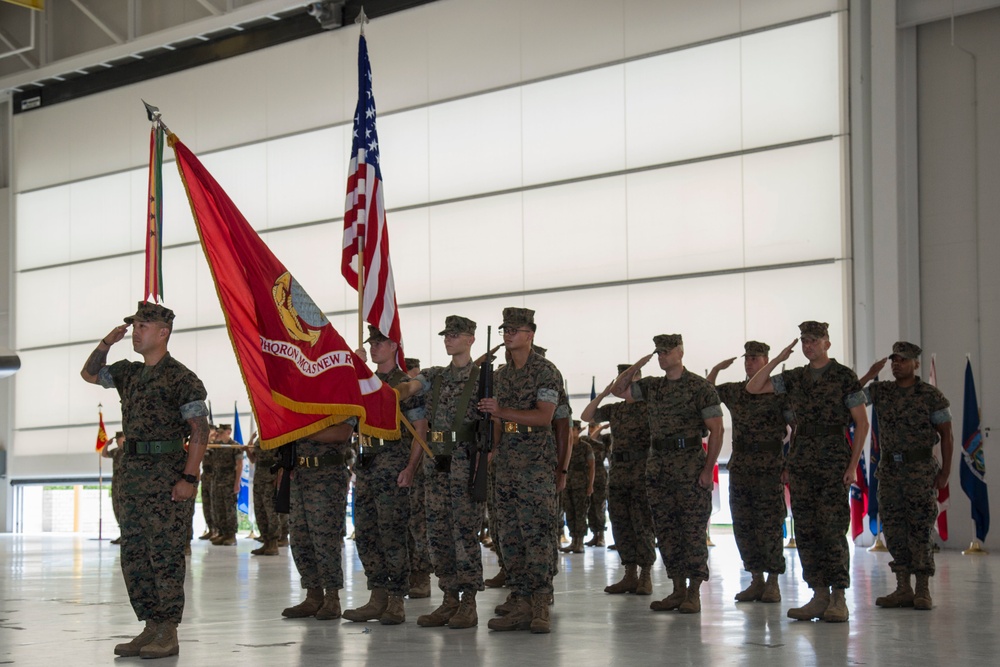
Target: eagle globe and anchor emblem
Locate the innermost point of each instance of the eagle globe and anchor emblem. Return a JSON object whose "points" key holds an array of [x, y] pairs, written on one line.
{"points": [[300, 315]]}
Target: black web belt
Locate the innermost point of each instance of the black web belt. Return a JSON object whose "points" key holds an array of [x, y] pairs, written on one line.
{"points": [[154, 447], [758, 447], [820, 429], [674, 443], [912, 456]]}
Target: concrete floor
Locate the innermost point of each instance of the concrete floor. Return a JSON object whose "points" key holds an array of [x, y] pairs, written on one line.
{"points": [[62, 599]]}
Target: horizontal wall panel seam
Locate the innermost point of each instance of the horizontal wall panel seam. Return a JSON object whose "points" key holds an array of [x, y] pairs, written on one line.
{"points": [[482, 195], [530, 292]]}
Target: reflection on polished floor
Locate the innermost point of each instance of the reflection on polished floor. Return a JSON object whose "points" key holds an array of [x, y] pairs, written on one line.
{"points": [[62, 601]]}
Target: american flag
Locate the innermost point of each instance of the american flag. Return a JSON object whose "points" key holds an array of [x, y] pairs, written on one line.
{"points": [[364, 216]]}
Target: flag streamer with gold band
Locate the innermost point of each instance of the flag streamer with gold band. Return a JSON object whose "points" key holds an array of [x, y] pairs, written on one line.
{"points": [[153, 288]]}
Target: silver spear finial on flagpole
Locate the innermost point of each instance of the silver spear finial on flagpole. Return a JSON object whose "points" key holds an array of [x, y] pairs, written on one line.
{"points": [[154, 116], [362, 19]]}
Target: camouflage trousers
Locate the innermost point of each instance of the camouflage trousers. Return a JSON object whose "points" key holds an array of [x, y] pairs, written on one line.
{"points": [[224, 501], [382, 519], [453, 523], [416, 542], [526, 510], [597, 512], [154, 533], [631, 518], [576, 502], [681, 510], [822, 517], [757, 502], [907, 505], [318, 519], [268, 520], [206, 497]]}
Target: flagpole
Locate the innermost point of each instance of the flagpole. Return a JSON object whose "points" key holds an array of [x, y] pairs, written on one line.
{"points": [[361, 20], [100, 495]]}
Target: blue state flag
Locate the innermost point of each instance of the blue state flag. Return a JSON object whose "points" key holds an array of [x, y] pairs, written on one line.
{"points": [[973, 469], [593, 387], [243, 498], [874, 525]]}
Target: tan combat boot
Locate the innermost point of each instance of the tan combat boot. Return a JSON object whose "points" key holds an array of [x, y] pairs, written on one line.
{"points": [[394, 613], [466, 616], [228, 540], [131, 649], [628, 583], [922, 595], [497, 581], [420, 585], [269, 548], [645, 585], [372, 610], [308, 607], [692, 602], [331, 606], [815, 608], [442, 614], [164, 644], [771, 591], [507, 605], [836, 611], [752, 592], [540, 613], [518, 617], [901, 597], [674, 600], [207, 535]]}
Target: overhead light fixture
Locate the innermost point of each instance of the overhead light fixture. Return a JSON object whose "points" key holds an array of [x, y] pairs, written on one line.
{"points": [[329, 13]]}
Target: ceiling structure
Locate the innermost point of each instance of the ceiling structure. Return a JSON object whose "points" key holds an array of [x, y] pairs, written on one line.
{"points": [[78, 47]]}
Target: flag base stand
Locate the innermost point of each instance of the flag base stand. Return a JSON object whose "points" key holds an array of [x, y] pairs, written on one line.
{"points": [[708, 541], [791, 544], [878, 546], [975, 549]]}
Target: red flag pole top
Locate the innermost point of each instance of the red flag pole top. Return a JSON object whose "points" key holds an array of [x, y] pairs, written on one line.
{"points": [[102, 435]]}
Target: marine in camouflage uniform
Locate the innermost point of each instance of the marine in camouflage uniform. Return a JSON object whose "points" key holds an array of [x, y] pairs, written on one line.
{"points": [[228, 466], [756, 492], [384, 472], [318, 519], [825, 396], [526, 395], [115, 453], [420, 555], [912, 415], [208, 467], [162, 404], [628, 503], [268, 521], [681, 407], [579, 488], [453, 517], [597, 513]]}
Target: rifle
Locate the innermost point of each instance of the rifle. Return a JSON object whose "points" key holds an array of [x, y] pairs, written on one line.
{"points": [[484, 430]]}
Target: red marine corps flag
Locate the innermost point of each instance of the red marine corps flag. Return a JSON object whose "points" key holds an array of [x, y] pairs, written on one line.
{"points": [[299, 372], [366, 237]]}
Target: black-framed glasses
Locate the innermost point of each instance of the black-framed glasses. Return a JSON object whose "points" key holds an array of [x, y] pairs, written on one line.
{"points": [[505, 330]]}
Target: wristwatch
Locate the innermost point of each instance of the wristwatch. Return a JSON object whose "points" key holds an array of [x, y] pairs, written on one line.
{"points": [[190, 479]]}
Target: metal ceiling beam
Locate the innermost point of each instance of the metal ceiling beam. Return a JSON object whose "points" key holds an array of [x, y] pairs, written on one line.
{"points": [[115, 37], [212, 9], [245, 13], [19, 51]]}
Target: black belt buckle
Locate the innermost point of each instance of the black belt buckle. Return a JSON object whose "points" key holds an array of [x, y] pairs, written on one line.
{"points": [[899, 457], [681, 443], [442, 463]]}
